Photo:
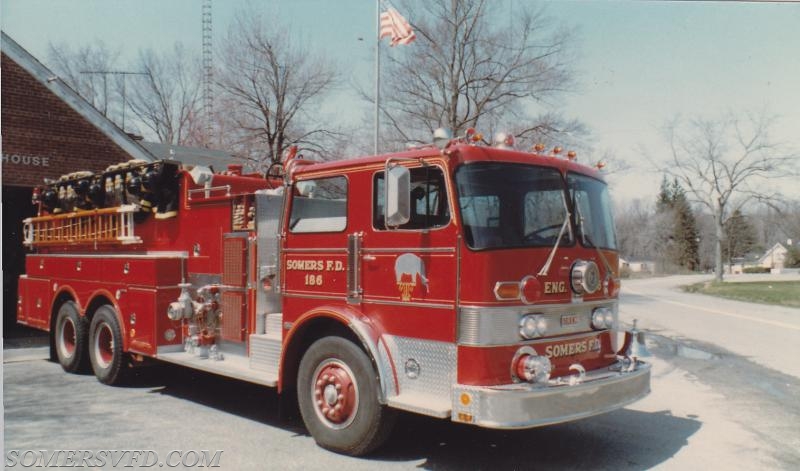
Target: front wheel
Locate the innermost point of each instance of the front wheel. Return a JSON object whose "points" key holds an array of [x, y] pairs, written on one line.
{"points": [[337, 390], [105, 346]]}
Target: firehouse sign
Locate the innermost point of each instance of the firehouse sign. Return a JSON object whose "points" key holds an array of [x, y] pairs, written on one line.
{"points": [[407, 268], [309, 266]]}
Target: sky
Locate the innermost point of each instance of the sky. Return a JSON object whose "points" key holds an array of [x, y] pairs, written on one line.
{"points": [[638, 64]]}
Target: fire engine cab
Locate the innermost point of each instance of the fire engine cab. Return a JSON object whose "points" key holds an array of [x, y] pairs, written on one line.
{"points": [[468, 282]]}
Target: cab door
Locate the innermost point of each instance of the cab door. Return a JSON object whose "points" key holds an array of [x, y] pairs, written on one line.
{"points": [[314, 256], [408, 272]]}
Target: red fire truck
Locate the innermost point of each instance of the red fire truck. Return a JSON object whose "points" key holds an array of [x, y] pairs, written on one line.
{"points": [[463, 281]]}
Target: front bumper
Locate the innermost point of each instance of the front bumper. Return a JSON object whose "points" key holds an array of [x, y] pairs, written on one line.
{"points": [[515, 406]]}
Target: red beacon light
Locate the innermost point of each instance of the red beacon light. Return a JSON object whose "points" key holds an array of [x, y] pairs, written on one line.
{"points": [[557, 150], [572, 155], [538, 147], [473, 136]]}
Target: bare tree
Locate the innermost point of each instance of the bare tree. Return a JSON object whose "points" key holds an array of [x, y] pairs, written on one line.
{"points": [[167, 100], [472, 67], [721, 162], [272, 88], [632, 218], [83, 70], [645, 234], [787, 219]]}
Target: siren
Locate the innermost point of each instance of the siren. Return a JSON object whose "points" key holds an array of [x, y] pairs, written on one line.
{"points": [[442, 137]]}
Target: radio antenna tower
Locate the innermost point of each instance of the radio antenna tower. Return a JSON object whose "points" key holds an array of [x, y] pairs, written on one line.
{"points": [[208, 73]]}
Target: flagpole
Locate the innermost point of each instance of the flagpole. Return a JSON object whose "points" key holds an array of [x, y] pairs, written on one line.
{"points": [[377, 75]]}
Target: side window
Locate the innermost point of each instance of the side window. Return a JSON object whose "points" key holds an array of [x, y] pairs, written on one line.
{"points": [[319, 206], [429, 207]]}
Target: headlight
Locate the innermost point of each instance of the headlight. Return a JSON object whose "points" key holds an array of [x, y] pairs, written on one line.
{"points": [[602, 318], [585, 277], [532, 326]]}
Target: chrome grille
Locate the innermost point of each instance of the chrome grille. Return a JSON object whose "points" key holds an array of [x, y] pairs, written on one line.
{"points": [[484, 326]]}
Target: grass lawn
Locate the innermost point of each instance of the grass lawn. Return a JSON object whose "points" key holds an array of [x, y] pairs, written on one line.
{"points": [[783, 293]]}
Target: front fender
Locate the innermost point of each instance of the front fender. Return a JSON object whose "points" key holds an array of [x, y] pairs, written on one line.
{"points": [[361, 327]]}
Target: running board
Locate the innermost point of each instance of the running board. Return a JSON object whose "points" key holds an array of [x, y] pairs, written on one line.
{"points": [[231, 366]]}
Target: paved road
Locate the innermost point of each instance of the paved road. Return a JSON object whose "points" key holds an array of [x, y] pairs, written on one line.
{"points": [[769, 335], [744, 355], [712, 407]]}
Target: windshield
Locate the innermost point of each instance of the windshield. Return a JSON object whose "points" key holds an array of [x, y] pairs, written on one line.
{"points": [[593, 218], [512, 205]]}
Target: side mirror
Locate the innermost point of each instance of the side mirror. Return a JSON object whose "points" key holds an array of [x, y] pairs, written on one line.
{"points": [[398, 196]]}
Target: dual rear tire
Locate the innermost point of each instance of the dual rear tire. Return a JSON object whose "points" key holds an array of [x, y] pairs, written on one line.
{"points": [[109, 362], [71, 344], [79, 343]]}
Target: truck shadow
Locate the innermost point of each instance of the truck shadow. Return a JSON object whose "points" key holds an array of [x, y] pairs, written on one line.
{"points": [[624, 439]]}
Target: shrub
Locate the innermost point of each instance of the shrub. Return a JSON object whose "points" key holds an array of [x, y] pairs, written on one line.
{"points": [[792, 259], [755, 270]]}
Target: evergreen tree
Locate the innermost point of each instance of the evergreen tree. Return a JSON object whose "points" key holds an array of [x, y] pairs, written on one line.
{"points": [[681, 235], [740, 236], [664, 201], [686, 234], [792, 257]]}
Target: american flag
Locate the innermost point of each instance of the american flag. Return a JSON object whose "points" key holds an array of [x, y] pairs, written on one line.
{"points": [[393, 24]]}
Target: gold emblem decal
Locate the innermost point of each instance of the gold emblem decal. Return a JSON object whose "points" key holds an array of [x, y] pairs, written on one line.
{"points": [[407, 268]]}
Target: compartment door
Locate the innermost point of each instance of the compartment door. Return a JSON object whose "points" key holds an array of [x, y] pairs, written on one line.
{"points": [[36, 298], [235, 277]]}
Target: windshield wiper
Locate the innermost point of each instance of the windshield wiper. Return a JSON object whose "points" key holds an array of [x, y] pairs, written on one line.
{"points": [[588, 240], [566, 225]]}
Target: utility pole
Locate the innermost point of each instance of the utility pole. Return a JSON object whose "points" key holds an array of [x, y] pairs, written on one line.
{"points": [[377, 131], [105, 73]]}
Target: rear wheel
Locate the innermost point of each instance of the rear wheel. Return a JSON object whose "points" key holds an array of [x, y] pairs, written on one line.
{"points": [[70, 338], [105, 346], [337, 390]]}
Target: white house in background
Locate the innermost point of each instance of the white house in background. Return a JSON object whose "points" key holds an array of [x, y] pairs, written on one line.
{"points": [[774, 257], [637, 266]]}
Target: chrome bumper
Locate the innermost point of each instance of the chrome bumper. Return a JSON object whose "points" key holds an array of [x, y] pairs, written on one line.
{"points": [[516, 406]]}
